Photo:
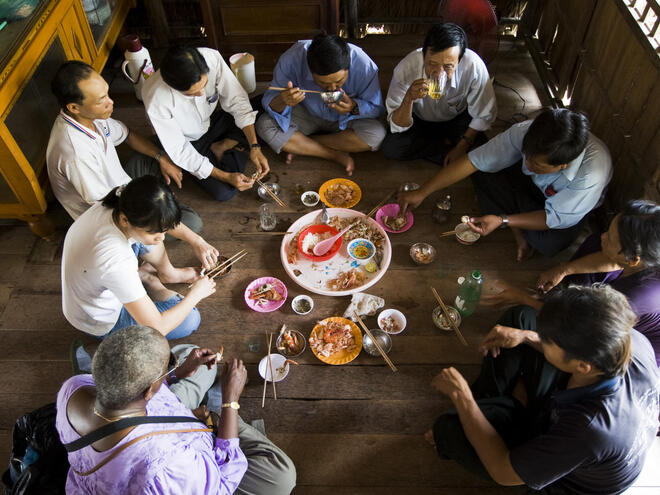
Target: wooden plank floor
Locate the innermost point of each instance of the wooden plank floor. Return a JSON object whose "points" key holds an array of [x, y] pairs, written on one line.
{"points": [[350, 430]]}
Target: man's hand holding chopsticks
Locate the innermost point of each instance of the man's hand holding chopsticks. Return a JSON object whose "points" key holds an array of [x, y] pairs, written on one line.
{"points": [[240, 181], [260, 162], [197, 357], [206, 254]]}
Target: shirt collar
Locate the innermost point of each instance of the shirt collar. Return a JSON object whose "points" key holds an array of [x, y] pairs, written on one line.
{"points": [[77, 125], [603, 387], [571, 171]]}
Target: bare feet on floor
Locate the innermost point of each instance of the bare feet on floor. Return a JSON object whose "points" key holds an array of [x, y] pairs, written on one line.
{"points": [[428, 436], [289, 158], [218, 148], [345, 159], [180, 275], [524, 250]]}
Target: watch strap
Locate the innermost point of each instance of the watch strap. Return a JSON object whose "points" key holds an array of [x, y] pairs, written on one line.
{"points": [[255, 146], [505, 221], [232, 405]]}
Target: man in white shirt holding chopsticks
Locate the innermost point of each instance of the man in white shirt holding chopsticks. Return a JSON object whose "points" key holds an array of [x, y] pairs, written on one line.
{"points": [[199, 135], [442, 129]]}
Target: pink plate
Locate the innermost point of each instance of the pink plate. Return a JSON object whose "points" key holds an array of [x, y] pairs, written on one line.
{"points": [[392, 210], [270, 305]]}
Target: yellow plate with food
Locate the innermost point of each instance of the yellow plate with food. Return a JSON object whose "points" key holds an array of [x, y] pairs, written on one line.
{"points": [[340, 193], [336, 340]]}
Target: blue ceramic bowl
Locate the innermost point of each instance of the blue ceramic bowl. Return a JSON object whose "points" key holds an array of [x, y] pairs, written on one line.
{"points": [[361, 250]]}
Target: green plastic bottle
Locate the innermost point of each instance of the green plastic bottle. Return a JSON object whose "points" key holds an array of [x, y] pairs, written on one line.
{"points": [[469, 294]]}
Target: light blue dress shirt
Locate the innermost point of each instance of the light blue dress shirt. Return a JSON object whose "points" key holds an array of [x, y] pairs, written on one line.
{"points": [[362, 86], [570, 193]]}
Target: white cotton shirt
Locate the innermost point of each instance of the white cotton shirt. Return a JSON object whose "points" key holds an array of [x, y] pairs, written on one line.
{"points": [[179, 119], [469, 88], [83, 165], [99, 272]]}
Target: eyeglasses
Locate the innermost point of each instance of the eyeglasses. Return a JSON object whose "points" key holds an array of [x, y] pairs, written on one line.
{"points": [[172, 364]]}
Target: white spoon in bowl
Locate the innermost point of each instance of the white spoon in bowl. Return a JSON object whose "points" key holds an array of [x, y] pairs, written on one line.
{"points": [[324, 246]]}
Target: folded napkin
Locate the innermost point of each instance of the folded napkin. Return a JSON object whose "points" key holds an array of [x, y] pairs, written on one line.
{"points": [[364, 305]]}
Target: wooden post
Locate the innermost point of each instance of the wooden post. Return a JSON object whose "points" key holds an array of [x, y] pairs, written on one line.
{"points": [[351, 18]]}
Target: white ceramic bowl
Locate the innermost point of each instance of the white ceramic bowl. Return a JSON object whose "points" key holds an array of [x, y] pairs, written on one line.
{"points": [[277, 361], [309, 195], [296, 300], [398, 318]]}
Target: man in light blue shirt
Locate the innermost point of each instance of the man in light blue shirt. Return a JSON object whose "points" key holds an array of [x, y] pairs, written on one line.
{"points": [[562, 176], [301, 123]]}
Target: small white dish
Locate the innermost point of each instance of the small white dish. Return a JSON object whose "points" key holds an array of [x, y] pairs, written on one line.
{"points": [[277, 362], [310, 198], [397, 316], [295, 303]]}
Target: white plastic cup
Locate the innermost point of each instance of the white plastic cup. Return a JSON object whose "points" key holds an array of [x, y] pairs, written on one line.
{"points": [[242, 65]]}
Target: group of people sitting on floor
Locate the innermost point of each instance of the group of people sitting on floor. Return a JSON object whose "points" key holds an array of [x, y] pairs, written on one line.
{"points": [[568, 393]]}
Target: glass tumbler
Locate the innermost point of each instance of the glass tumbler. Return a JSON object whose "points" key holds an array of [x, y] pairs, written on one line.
{"points": [[438, 86], [267, 217]]}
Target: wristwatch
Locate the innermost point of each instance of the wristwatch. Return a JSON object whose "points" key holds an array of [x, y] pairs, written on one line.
{"points": [[469, 140], [505, 221], [355, 110], [255, 145], [171, 378], [158, 155], [233, 404]]}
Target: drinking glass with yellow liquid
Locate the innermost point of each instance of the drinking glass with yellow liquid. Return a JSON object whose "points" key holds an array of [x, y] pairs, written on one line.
{"points": [[438, 86]]}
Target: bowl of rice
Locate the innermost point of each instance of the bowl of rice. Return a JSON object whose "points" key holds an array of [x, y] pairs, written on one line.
{"points": [[465, 235], [311, 236]]}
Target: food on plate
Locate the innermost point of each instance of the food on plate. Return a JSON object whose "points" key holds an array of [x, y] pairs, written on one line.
{"points": [[281, 371], [389, 325], [440, 320], [311, 240], [218, 355], [347, 280], [395, 223], [297, 272], [331, 337], [310, 199], [468, 236], [303, 306], [362, 229], [265, 293], [291, 342], [339, 195], [423, 255]]}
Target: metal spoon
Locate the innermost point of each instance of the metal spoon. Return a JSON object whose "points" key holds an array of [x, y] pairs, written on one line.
{"points": [[324, 215]]}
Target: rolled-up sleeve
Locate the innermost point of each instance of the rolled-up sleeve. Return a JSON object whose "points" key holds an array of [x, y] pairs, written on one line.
{"points": [[395, 94], [482, 105], [283, 73], [502, 151], [177, 147], [233, 98], [204, 473]]}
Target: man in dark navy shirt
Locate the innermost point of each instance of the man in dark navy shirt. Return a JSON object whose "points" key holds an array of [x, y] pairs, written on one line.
{"points": [[572, 411]]}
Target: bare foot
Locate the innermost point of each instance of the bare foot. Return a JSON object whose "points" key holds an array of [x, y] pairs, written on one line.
{"points": [[289, 158], [524, 251], [180, 275], [218, 148], [345, 159], [428, 436]]}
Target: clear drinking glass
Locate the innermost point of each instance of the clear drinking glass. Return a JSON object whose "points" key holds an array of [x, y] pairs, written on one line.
{"points": [[438, 85], [267, 217]]}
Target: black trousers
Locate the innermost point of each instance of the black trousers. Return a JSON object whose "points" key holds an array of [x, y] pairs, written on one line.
{"points": [[429, 140], [222, 127], [510, 191], [492, 390]]}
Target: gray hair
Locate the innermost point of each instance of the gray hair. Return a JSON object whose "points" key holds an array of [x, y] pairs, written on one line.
{"points": [[126, 363]]}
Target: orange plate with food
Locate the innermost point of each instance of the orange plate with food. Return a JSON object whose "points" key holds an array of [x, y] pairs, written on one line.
{"points": [[336, 340], [340, 193]]}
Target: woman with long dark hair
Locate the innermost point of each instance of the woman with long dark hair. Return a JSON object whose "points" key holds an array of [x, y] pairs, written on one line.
{"points": [[102, 288]]}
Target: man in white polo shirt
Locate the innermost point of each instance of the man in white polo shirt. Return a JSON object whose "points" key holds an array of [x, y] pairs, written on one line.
{"points": [[200, 113], [439, 130], [83, 165]]}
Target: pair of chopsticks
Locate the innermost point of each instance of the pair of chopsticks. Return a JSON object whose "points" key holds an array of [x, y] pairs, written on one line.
{"points": [[380, 349], [262, 233], [303, 90], [450, 232], [380, 203], [449, 318], [269, 339], [215, 271], [271, 193]]}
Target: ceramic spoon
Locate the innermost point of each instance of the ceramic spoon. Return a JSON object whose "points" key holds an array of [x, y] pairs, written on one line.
{"points": [[324, 246]]}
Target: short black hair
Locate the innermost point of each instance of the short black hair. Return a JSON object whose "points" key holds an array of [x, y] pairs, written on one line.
{"points": [[182, 66], [65, 83], [443, 36], [328, 54], [639, 231], [147, 202], [592, 324], [557, 133]]}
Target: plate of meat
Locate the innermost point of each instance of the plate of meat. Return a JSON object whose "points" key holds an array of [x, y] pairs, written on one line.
{"points": [[340, 193], [388, 217], [336, 340], [341, 275], [265, 294]]}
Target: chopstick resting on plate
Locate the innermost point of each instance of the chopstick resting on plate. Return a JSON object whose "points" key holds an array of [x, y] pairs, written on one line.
{"points": [[380, 349], [450, 232], [271, 193], [448, 316], [380, 203]]}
